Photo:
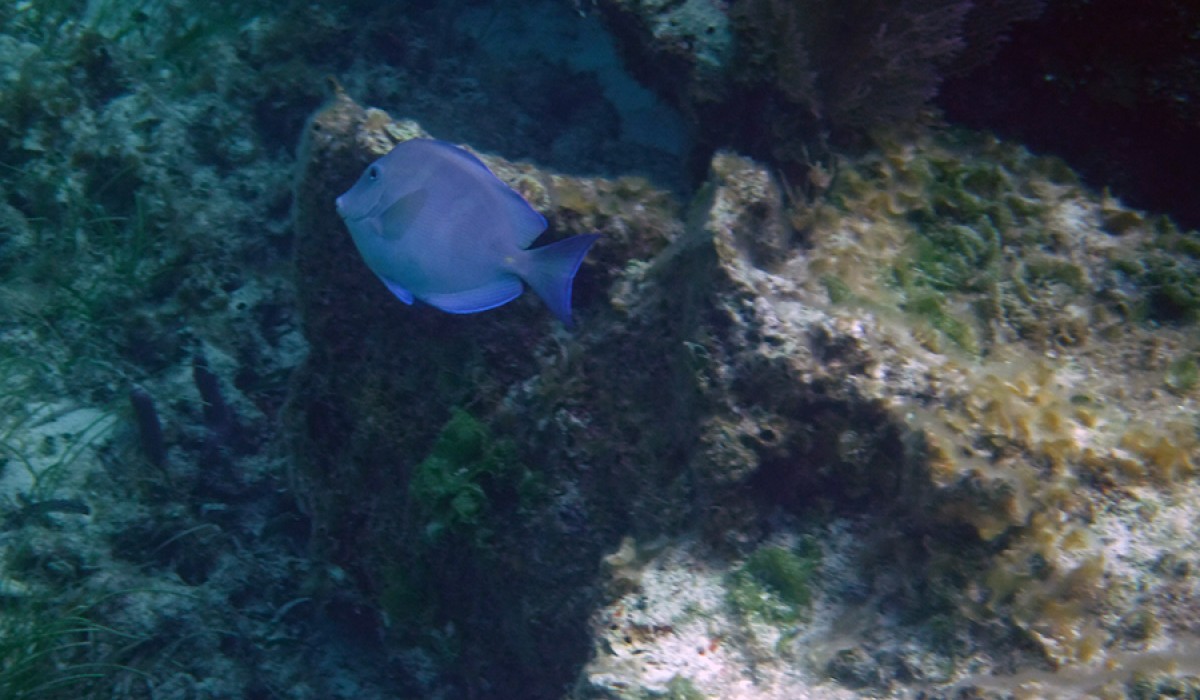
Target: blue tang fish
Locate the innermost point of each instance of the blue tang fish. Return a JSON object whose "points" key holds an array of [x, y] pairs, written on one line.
{"points": [[436, 225]]}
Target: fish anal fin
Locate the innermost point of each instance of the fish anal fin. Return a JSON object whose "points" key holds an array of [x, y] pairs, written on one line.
{"points": [[401, 293], [488, 296]]}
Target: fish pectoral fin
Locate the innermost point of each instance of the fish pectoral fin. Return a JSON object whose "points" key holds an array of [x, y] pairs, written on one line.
{"points": [[489, 296], [398, 218], [401, 293]]}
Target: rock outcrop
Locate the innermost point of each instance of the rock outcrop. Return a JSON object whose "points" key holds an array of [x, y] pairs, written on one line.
{"points": [[876, 431]]}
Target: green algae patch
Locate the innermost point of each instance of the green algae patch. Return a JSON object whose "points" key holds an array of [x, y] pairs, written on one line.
{"points": [[1165, 269], [839, 292], [1182, 375], [774, 585], [1172, 288], [932, 308], [977, 246], [954, 257], [452, 489], [681, 688], [406, 596]]}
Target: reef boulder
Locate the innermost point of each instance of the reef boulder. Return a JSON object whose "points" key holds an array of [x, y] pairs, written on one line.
{"points": [[900, 401]]}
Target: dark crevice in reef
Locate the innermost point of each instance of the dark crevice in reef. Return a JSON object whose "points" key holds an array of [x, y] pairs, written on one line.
{"points": [[1113, 87]]}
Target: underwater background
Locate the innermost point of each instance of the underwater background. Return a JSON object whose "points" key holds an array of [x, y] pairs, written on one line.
{"points": [[884, 383]]}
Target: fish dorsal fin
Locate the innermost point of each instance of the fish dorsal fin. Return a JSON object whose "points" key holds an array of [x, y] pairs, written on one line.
{"points": [[398, 218], [527, 224], [488, 296]]}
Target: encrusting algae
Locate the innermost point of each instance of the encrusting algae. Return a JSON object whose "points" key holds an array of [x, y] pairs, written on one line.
{"points": [[934, 348], [1047, 396]]}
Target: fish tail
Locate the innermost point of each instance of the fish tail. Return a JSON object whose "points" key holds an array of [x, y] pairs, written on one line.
{"points": [[550, 271]]}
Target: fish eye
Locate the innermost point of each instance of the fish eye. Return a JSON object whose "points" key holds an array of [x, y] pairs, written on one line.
{"points": [[373, 172]]}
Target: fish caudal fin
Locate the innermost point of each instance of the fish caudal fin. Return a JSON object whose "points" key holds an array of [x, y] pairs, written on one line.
{"points": [[550, 271]]}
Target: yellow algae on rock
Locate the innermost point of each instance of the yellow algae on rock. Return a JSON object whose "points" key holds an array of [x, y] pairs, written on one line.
{"points": [[936, 354], [1167, 452]]}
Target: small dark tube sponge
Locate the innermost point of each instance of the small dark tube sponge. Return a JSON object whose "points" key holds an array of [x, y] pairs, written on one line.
{"points": [[149, 426], [217, 416]]}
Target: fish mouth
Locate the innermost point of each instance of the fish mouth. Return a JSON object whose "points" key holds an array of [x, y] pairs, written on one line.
{"points": [[341, 210], [340, 205]]}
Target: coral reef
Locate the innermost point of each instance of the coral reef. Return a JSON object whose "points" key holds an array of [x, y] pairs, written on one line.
{"points": [[931, 433], [148, 327], [779, 79], [951, 357], [367, 435], [1100, 72]]}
